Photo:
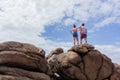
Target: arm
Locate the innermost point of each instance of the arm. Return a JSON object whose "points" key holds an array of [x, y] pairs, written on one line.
{"points": [[80, 29]]}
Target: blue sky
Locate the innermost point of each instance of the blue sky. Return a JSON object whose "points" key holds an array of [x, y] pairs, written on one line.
{"points": [[47, 24]]}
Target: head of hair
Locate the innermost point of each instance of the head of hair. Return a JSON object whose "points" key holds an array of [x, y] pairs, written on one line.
{"points": [[74, 26], [83, 24]]}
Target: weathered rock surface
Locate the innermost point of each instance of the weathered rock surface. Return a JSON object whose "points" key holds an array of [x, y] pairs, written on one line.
{"points": [[21, 61], [116, 72], [82, 63]]}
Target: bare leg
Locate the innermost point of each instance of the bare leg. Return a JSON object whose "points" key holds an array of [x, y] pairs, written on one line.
{"points": [[74, 40], [80, 42], [86, 40], [77, 40]]}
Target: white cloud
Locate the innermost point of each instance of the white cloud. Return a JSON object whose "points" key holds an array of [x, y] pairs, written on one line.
{"points": [[39, 12], [117, 43], [105, 22], [109, 11], [53, 10], [69, 21], [111, 51], [106, 7], [23, 20]]}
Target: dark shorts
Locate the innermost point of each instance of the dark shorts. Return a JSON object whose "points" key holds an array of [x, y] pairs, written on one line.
{"points": [[83, 36], [75, 34]]}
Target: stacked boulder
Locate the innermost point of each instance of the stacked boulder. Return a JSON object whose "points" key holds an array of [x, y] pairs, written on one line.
{"points": [[116, 72], [22, 61], [81, 63]]}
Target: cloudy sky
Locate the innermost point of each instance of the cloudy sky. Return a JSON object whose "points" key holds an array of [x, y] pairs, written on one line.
{"points": [[47, 23]]}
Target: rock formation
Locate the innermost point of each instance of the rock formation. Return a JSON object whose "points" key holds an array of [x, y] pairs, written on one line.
{"points": [[82, 63], [21, 61], [116, 72], [117, 67]]}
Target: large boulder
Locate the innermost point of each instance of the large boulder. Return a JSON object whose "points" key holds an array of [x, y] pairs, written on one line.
{"points": [[116, 72], [22, 61], [117, 67], [81, 63], [55, 52]]}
